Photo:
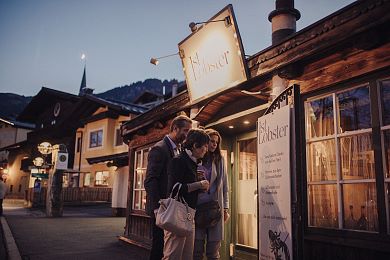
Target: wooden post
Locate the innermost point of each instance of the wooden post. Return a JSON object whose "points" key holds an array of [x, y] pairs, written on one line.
{"points": [[54, 202]]}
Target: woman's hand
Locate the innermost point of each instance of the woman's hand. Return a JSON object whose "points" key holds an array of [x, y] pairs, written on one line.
{"points": [[226, 215], [198, 185], [205, 185]]}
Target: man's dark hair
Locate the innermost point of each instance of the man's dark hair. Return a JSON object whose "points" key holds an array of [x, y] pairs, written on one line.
{"points": [[197, 137], [180, 121]]}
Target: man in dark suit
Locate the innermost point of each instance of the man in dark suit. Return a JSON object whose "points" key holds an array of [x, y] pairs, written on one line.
{"points": [[156, 180]]}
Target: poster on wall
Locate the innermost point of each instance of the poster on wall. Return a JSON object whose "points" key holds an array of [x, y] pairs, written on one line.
{"points": [[274, 182]]}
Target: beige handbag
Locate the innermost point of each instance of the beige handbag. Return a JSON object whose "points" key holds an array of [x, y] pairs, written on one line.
{"points": [[175, 215]]}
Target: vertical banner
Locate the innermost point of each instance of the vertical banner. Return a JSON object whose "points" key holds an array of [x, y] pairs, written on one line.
{"points": [[275, 234]]}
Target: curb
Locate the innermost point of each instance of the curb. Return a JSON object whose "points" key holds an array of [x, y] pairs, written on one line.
{"points": [[11, 247]]}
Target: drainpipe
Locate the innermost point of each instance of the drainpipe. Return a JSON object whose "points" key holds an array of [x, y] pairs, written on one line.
{"points": [[283, 20], [81, 150]]}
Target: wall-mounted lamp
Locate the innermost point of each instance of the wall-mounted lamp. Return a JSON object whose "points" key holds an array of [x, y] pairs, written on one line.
{"points": [[251, 92], [38, 161], [45, 148], [155, 61], [193, 26]]}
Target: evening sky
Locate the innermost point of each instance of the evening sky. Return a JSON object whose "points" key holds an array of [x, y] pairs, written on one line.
{"points": [[41, 41]]}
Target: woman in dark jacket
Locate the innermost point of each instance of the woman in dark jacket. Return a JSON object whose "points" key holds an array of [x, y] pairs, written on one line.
{"points": [[183, 170]]}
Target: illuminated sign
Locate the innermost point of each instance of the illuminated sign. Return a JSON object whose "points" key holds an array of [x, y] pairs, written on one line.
{"points": [[213, 57]]}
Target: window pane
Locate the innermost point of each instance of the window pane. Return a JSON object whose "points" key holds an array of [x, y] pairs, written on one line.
{"points": [[138, 182], [93, 140], [100, 138], [323, 206], [319, 115], [143, 199], [360, 208], [386, 141], [322, 161], [357, 157], [355, 112], [385, 94], [145, 159], [136, 200], [138, 159]]}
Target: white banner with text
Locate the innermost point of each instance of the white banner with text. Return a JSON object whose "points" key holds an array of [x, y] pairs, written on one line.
{"points": [[275, 234]]}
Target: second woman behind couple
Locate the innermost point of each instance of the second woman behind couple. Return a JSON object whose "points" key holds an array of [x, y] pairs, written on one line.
{"points": [[184, 170]]}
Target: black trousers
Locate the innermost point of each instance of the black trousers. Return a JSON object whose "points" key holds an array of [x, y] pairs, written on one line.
{"points": [[1, 207], [157, 243]]}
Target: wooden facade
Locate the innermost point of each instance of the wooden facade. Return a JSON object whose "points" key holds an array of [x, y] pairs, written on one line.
{"points": [[345, 52], [140, 134]]}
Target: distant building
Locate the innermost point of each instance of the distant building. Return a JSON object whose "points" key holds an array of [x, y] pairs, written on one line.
{"points": [[101, 159], [11, 132]]}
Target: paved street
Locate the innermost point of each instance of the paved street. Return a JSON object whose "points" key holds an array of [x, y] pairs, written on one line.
{"points": [[87, 232]]}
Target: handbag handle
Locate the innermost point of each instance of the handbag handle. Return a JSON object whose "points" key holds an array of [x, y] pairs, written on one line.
{"points": [[177, 193], [177, 197]]}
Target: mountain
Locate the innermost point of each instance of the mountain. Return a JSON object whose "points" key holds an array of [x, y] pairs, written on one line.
{"points": [[12, 104], [129, 93]]}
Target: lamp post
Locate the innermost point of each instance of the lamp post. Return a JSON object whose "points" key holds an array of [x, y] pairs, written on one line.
{"points": [[54, 202]]}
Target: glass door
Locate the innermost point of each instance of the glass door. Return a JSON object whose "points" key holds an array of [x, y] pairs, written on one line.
{"points": [[246, 195]]}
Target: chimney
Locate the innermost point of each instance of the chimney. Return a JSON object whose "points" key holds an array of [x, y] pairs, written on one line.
{"points": [[174, 90], [283, 20]]}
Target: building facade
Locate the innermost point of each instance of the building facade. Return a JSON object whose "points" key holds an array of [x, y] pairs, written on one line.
{"points": [[340, 204]]}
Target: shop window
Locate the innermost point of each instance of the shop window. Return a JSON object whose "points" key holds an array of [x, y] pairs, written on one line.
{"points": [[340, 161], [101, 178], [385, 131], [140, 164], [96, 138]]}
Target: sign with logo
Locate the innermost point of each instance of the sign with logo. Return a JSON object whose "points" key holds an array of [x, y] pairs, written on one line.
{"points": [[275, 227], [213, 57], [60, 160]]}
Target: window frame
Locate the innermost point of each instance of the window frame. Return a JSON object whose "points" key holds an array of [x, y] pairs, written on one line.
{"points": [[371, 81], [103, 184], [90, 133], [134, 176]]}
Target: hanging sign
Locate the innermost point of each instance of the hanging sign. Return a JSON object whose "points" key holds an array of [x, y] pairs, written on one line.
{"points": [[275, 232], [213, 57]]}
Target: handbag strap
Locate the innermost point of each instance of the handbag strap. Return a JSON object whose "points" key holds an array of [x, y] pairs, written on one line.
{"points": [[177, 193], [177, 197]]}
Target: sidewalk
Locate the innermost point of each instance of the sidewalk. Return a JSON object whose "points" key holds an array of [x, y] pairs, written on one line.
{"points": [[87, 232]]}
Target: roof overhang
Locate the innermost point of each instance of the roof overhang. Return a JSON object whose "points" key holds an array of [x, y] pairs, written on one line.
{"points": [[119, 159]]}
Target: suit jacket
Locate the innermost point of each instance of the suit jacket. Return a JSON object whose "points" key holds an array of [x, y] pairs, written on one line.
{"points": [[183, 170], [156, 180]]}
